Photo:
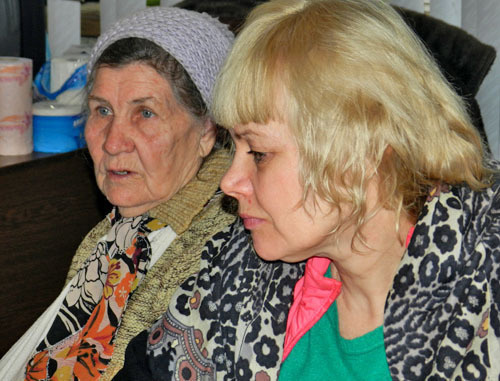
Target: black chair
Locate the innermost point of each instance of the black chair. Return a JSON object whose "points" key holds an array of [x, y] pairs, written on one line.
{"points": [[462, 58]]}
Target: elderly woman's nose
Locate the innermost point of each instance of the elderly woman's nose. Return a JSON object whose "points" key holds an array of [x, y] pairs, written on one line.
{"points": [[236, 182], [117, 137]]}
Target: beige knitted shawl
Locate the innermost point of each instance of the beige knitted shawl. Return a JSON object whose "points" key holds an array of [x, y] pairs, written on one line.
{"points": [[194, 222]]}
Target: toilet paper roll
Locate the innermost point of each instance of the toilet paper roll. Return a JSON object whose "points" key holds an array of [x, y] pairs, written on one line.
{"points": [[16, 134], [57, 127], [61, 68]]}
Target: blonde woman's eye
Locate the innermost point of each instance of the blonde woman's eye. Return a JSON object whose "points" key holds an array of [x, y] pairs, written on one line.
{"points": [[257, 156]]}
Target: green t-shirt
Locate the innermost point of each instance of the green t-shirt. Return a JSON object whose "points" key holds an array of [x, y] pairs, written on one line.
{"points": [[322, 354]]}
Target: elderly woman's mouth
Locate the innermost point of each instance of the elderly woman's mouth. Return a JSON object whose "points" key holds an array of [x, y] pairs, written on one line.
{"points": [[122, 172]]}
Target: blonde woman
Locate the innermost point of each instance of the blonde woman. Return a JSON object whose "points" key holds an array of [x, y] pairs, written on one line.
{"points": [[354, 154]]}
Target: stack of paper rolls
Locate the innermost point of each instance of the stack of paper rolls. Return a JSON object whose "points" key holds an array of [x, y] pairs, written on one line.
{"points": [[16, 134]]}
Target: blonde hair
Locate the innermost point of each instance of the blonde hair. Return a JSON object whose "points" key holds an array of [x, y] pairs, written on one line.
{"points": [[360, 94]]}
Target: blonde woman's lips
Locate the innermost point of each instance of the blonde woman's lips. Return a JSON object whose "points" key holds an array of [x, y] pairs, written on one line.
{"points": [[250, 222]]}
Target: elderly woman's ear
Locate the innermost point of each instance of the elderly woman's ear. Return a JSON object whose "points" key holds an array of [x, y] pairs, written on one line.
{"points": [[207, 138]]}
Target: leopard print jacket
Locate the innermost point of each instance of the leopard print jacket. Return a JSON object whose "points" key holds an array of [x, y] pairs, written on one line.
{"points": [[442, 316]]}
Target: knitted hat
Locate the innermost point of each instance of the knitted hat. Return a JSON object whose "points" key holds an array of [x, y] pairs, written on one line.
{"points": [[197, 41]]}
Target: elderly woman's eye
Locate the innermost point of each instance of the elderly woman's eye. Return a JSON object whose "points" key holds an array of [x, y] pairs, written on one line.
{"points": [[257, 156], [103, 111], [147, 113]]}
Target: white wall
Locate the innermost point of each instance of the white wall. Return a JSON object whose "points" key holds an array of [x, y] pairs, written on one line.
{"points": [[63, 25], [482, 20], [112, 10]]}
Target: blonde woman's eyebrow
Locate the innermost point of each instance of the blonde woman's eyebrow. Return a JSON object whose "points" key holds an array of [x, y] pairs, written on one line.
{"points": [[247, 133]]}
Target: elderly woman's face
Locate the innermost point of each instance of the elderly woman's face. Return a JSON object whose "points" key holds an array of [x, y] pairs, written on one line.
{"points": [[144, 144], [264, 178]]}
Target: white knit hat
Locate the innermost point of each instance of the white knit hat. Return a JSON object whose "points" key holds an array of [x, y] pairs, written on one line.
{"points": [[197, 41]]}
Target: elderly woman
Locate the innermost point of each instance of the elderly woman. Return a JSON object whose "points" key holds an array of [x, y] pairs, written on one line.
{"points": [[150, 137], [355, 155]]}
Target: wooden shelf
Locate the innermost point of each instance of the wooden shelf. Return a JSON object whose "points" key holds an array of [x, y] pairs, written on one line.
{"points": [[49, 203]]}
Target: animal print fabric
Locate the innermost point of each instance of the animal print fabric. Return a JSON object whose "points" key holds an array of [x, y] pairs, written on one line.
{"points": [[227, 322], [442, 314]]}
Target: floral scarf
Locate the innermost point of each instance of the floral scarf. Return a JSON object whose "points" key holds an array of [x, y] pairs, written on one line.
{"points": [[80, 342], [227, 322]]}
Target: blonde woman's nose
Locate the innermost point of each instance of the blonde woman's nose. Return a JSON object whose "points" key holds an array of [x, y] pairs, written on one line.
{"points": [[236, 182]]}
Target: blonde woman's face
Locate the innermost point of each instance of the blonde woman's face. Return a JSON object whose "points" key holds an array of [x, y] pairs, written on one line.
{"points": [[264, 178]]}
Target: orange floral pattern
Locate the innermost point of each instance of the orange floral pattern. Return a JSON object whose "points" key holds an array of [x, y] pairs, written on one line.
{"points": [[113, 278], [84, 353]]}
